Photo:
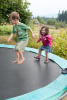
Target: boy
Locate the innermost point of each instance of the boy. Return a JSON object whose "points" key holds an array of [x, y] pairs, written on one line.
{"points": [[21, 31]]}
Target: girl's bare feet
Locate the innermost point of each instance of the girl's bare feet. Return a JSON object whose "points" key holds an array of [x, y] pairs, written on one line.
{"points": [[46, 61]]}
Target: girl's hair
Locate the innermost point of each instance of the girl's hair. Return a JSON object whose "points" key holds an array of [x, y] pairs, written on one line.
{"points": [[14, 15], [46, 29]]}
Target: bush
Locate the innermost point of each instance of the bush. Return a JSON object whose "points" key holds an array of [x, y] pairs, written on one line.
{"points": [[60, 44], [60, 25], [51, 21], [5, 30], [41, 20], [33, 43]]}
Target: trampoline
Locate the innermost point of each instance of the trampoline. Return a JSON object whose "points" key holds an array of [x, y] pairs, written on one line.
{"points": [[32, 80]]}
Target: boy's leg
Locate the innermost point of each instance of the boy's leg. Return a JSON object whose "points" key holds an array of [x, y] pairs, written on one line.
{"points": [[17, 53], [20, 46], [21, 56], [17, 56]]}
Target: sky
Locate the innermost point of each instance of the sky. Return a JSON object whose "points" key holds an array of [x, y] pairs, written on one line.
{"points": [[47, 8]]}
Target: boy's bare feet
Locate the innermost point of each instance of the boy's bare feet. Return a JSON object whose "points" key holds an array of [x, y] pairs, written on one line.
{"points": [[15, 61], [20, 62]]}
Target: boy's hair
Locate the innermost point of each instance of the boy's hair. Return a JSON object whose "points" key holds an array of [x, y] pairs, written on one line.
{"points": [[13, 16], [46, 29]]}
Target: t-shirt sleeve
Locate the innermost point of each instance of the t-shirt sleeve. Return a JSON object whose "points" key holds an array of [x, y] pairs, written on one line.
{"points": [[13, 30], [24, 26]]}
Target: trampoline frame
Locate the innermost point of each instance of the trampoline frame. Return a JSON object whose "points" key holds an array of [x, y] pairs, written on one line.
{"points": [[63, 96], [56, 88]]}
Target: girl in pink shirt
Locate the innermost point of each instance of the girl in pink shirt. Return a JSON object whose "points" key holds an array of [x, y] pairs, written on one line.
{"points": [[46, 40]]}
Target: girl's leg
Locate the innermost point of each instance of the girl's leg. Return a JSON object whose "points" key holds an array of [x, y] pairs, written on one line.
{"points": [[39, 54], [46, 53], [40, 50]]}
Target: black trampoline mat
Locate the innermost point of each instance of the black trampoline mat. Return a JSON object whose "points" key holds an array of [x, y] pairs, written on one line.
{"points": [[17, 79]]}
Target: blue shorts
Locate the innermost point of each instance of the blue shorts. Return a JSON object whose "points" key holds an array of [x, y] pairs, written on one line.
{"points": [[46, 48]]}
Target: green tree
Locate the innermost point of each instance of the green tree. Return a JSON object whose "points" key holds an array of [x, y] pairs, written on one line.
{"points": [[21, 6], [41, 20], [62, 16]]}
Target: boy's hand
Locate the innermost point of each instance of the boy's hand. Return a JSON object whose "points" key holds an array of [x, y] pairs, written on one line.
{"points": [[8, 40], [33, 36], [32, 33]]}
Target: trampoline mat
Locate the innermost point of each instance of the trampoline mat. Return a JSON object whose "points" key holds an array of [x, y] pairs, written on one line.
{"points": [[20, 79]]}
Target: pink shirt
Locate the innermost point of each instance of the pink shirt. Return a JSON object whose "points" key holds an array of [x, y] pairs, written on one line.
{"points": [[46, 40]]}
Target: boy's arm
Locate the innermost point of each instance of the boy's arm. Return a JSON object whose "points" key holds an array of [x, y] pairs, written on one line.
{"points": [[33, 36], [11, 36], [24, 26]]}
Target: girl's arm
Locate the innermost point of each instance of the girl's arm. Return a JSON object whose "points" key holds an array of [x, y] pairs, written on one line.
{"points": [[11, 36], [39, 39]]}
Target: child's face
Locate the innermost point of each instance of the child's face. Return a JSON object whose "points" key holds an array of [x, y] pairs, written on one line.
{"points": [[43, 31], [14, 21]]}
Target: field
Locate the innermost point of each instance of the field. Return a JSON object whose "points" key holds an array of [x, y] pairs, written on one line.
{"points": [[59, 38]]}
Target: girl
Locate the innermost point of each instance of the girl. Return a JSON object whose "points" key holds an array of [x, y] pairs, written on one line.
{"points": [[46, 40]]}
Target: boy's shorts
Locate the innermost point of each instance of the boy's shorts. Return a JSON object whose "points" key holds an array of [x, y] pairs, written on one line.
{"points": [[46, 48], [21, 45]]}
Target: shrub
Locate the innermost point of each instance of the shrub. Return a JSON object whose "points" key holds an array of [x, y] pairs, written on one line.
{"points": [[60, 44], [5, 30], [60, 25], [51, 21]]}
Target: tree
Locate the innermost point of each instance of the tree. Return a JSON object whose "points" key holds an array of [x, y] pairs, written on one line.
{"points": [[21, 6], [51, 21], [62, 16], [41, 20]]}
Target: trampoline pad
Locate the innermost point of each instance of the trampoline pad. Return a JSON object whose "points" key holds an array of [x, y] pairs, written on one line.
{"points": [[20, 79]]}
